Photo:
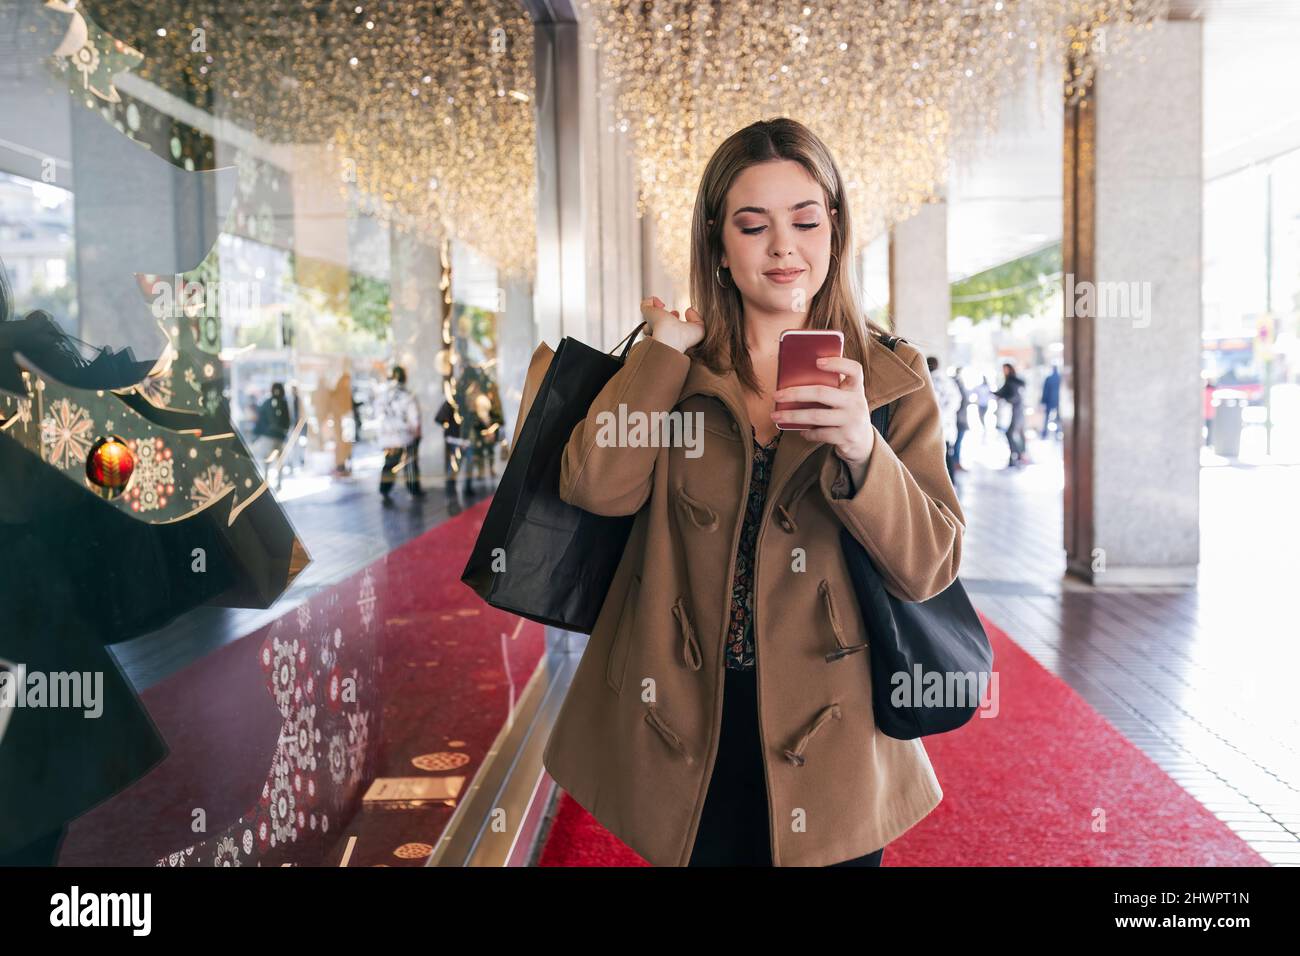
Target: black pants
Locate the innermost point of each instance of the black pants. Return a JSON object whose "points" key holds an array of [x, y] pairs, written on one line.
{"points": [[392, 456], [733, 826]]}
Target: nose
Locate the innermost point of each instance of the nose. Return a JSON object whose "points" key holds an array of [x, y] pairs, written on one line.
{"points": [[782, 242]]}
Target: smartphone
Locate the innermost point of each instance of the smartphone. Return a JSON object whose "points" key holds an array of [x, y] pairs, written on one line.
{"points": [[796, 364]]}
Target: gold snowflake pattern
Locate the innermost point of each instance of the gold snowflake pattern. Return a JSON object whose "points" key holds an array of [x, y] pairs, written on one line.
{"points": [[21, 412], [66, 434], [154, 479], [157, 390], [209, 485]]}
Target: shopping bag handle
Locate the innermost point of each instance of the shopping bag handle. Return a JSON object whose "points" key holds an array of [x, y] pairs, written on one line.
{"points": [[629, 339]]}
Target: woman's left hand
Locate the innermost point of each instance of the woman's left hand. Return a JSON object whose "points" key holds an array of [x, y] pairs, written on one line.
{"points": [[846, 424]]}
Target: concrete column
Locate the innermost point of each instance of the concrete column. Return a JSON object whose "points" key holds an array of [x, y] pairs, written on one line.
{"points": [[589, 242], [517, 338], [918, 279], [417, 337], [1132, 261], [614, 251]]}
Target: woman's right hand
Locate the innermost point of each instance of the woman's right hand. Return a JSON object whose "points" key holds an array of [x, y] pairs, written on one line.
{"points": [[669, 327]]}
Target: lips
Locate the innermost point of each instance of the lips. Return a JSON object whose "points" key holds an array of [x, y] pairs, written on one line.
{"points": [[783, 275]]}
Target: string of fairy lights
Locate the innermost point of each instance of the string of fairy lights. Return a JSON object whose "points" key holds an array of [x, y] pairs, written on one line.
{"points": [[428, 107], [896, 88]]}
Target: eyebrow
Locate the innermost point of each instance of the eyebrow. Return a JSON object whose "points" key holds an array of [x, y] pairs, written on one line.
{"points": [[763, 212]]}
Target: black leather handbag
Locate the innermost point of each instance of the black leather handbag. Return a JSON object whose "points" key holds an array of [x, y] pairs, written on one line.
{"points": [[930, 660]]}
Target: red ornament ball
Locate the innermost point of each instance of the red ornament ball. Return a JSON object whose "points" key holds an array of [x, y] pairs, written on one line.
{"points": [[109, 465]]}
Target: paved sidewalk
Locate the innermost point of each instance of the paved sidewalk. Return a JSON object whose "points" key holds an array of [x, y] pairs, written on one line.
{"points": [[1203, 680]]}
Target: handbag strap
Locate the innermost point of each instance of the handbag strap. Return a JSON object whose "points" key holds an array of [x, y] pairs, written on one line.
{"points": [[629, 339], [880, 414]]}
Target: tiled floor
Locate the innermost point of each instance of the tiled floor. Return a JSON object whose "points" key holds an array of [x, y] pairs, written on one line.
{"points": [[1202, 680]]}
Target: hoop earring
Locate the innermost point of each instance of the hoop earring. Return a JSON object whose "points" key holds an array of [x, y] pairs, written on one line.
{"points": [[717, 274]]}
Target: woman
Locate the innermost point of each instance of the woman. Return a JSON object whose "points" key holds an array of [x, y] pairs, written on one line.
{"points": [[673, 734], [271, 430], [1012, 393]]}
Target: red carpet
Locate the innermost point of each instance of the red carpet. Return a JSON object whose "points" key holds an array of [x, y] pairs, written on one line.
{"points": [[1020, 789], [397, 671]]}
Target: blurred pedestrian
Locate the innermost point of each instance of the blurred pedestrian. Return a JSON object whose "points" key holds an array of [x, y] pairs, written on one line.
{"points": [[398, 414], [949, 402], [272, 428], [1051, 401], [983, 393], [963, 419], [453, 444], [1012, 393], [482, 429]]}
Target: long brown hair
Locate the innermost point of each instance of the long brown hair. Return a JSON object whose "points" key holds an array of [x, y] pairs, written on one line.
{"points": [[836, 303]]}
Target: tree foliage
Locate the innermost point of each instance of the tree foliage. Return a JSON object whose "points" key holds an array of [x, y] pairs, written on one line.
{"points": [[1010, 290]]}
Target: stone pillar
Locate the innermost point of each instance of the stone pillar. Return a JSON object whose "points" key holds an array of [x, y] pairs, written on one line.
{"points": [[516, 340], [589, 241], [918, 279], [417, 337], [1130, 404]]}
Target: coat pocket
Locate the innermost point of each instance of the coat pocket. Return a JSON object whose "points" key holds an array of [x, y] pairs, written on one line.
{"points": [[616, 665]]}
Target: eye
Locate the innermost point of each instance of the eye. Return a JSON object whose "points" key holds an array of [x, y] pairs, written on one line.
{"points": [[755, 230]]}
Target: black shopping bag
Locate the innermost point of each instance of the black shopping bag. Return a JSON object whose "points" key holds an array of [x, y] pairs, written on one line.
{"points": [[539, 556]]}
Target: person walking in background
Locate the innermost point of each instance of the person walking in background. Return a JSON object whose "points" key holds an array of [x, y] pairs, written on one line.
{"points": [[1207, 409], [1051, 400], [453, 444], [1012, 392], [272, 428], [963, 424], [398, 414], [949, 403], [297, 454], [982, 396], [484, 433]]}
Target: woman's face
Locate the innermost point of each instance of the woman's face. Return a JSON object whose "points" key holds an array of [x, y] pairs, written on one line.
{"points": [[775, 218]]}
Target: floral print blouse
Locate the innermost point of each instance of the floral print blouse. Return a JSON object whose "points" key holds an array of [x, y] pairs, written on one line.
{"points": [[740, 632]]}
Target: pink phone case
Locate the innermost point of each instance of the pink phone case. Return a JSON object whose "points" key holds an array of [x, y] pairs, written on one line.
{"points": [[796, 364]]}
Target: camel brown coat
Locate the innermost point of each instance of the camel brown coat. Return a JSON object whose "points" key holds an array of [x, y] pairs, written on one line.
{"points": [[636, 737]]}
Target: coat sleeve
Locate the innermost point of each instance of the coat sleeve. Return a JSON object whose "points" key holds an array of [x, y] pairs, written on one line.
{"points": [[600, 476], [906, 512]]}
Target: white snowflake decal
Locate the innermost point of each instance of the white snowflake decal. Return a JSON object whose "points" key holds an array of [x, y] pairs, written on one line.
{"points": [[154, 479], [66, 434], [366, 601], [284, 673], [227, 853]]}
